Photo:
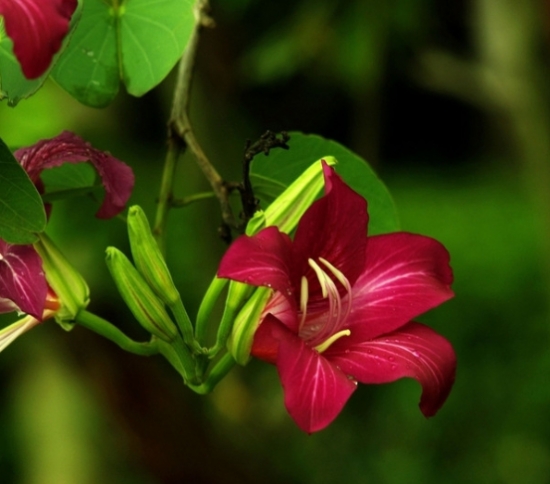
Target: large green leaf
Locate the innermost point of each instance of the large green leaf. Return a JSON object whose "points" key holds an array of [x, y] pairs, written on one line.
{"points": [[270, 175], [22, 213], [138, 41]]}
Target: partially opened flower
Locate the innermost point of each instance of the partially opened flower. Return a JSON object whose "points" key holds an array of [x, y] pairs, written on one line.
{"points": [[37, 29], [342, 306], [25, 284]]}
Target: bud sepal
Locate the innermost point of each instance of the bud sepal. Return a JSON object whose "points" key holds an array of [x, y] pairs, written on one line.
{"points": [[148, 258], [67, 283]]}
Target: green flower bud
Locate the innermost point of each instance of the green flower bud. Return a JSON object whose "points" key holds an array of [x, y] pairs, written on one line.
{"points": [[246, 323], [147, 308], [67, 283], [148, 258], [287, 209]]}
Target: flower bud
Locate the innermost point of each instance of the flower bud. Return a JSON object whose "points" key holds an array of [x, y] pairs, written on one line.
{"points": [[148, 258], [287, 209], [67, 283], [246, 323], [147, 308]]}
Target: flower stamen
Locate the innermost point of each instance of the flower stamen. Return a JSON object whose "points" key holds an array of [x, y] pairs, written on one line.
{"points": [[330, 291], [343, 280], [304, 296], [324, 346], [321, 276]]}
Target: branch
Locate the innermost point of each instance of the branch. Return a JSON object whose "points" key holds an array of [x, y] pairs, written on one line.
{"points": [[180, 129], [180, 133], [265, 144]]}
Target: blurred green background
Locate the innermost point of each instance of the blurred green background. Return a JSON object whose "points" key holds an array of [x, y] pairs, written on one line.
{"points": [[449, 102]]}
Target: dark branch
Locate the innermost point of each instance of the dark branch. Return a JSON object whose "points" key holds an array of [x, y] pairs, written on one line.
{"points": [[265, 144]]}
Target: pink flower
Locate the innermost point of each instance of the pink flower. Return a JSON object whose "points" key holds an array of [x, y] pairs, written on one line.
{"points": [[23, 285], [37, 29], [342, 306]]}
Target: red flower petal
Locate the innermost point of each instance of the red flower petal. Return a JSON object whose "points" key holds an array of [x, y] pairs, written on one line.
{"points": [[414, 351], [261, 260], [405, 275], [37, 29], [266, 339], [335, 228], [315, 389], [22, 279], [117, 177]]}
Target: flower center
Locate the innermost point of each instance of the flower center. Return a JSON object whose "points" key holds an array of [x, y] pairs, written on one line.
{"points": [[322, 329]]}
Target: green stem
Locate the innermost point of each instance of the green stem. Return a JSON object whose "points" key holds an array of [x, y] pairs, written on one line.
{"points": [[237, 294], [111, 332], [179, 357], [187, 361], [166, 191], [207, 305], [222, 367]]}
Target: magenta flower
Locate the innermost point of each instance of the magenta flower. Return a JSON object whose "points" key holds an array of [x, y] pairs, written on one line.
{"points": [[37, 29], [342, 306], [23, 285]]}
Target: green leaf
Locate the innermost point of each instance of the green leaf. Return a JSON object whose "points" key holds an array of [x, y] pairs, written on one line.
{"points": [[270, 175], [69, 176], [22, 213], [138, 41], [68, 181], [14, 86]]}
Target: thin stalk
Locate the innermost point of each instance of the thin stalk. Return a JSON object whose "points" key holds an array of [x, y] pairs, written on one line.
{"points": [[207, 305], [108, 330]]}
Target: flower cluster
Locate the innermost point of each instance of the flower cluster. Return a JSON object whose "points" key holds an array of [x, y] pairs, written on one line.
{"points": [[342, 306]]}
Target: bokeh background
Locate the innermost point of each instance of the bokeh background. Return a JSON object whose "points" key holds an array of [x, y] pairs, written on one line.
{"points": [[449, 102]]}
